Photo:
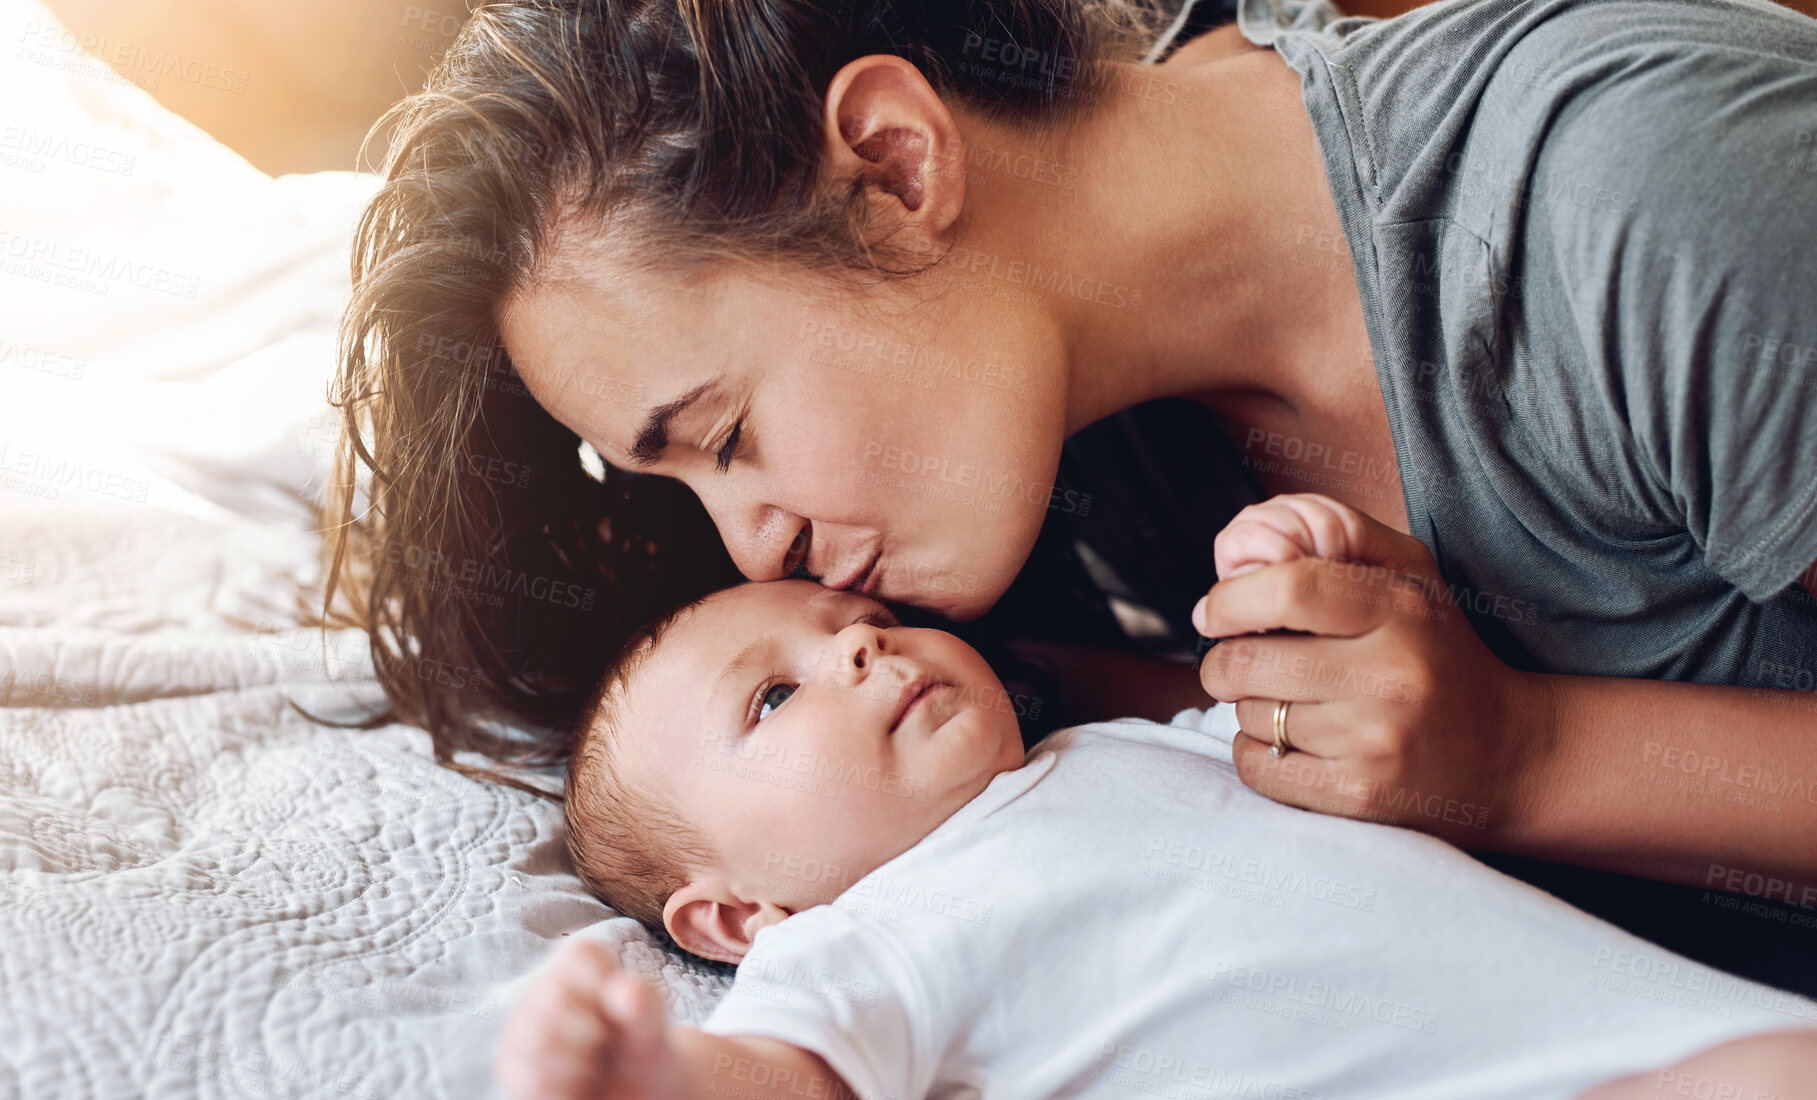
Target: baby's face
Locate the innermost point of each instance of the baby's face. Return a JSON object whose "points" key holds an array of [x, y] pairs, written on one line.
{"points": [[809, 738]]}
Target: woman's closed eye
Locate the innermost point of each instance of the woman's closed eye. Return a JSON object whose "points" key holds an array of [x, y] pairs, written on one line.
{"points": [[728, 450]]}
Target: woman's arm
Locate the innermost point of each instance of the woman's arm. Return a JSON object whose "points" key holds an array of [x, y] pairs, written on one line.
{"points": [[1401, 713], [1696, 783]]}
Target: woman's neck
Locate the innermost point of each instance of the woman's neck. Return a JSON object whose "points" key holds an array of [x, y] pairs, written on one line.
{"points": [[1201, 196]]}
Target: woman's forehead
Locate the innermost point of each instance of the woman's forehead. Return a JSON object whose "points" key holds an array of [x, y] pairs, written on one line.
{"points": [[584, 306], [647, 325], [593, 358]]}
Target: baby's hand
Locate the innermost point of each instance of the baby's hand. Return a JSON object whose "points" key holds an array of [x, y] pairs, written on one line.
{"points": [[587, 1029], [1286, 528]]}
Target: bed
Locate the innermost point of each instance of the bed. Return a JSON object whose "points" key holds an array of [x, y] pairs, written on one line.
{"points": [[204, 891]]}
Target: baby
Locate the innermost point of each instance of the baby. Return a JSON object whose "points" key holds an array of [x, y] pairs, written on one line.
{"points": [[781, 777]]}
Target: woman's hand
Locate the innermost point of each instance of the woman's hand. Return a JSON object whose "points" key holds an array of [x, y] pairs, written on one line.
{"points": [[587, 1030], [1398, 711]]}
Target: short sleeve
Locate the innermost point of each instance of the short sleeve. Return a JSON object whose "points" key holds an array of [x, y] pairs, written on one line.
{"points": [[832, 983], [1689, 186], [1262, 21]]}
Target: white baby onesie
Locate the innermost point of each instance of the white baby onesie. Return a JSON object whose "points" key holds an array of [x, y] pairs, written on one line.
{"points": [[1122, 918]]}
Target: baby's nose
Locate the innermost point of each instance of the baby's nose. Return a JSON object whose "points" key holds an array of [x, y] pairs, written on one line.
{"points": [[858, 647]]}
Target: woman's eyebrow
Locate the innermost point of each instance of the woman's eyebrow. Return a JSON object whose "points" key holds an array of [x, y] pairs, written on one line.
{"points": [[653, 437]]}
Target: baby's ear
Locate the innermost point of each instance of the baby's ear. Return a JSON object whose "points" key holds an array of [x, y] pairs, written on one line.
{"points": [[707, 920]]}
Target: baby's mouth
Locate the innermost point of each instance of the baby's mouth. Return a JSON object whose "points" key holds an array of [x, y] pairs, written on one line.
{"points": [[913, 692]]}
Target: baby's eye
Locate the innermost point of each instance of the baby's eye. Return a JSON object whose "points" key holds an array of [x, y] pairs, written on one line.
{"points": [[774, 696]]}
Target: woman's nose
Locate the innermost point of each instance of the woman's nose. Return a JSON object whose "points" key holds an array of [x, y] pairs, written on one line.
{"points": [[760, 538]]}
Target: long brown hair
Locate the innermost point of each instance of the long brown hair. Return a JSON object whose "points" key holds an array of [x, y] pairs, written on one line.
{"points": [[495, 576]]}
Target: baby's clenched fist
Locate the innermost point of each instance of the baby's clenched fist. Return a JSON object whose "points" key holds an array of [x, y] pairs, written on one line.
{"points": [[588, 1029]]}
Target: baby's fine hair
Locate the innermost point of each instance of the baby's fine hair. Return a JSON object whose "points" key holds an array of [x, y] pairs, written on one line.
{"points": [[630, 845]]}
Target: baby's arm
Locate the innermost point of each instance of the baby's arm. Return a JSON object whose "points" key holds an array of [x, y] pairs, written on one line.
{"points": [[587, 1030]]}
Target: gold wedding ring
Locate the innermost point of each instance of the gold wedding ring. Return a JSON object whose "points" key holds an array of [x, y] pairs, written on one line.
{"points": [[1280, 746]]}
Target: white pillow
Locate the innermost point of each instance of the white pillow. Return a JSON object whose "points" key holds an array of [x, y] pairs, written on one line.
{"points": [[170, 310]]}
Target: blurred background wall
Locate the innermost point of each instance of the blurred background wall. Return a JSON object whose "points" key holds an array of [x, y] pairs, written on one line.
{"points": [[294, 85]]}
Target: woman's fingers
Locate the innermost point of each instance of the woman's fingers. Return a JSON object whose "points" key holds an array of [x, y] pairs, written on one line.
{"points": [[1312, 728], [1310, 595], [1308, 668], [1359, 552], [1346, 789], [1400, 713], [1274, 666], [1298, 779]]}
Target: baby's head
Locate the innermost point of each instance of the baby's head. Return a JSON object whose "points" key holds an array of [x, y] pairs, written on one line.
{"points": [[760, 750]]}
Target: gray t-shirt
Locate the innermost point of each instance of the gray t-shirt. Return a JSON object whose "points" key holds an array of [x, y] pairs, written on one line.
{"points": [[1585, 234]]}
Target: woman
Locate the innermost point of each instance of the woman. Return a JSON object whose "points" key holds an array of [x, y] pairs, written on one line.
{"points": [[1514, 281]]}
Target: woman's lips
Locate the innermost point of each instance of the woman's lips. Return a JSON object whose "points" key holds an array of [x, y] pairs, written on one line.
{"points": [[797, 553], [859, 578], [867, 584]]}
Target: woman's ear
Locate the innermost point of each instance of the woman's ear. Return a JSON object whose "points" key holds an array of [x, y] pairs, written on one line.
{"points": [[885, 124], [707, 920]]}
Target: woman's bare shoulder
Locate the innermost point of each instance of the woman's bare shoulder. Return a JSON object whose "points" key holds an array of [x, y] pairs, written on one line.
{"points": [[1219, 42]]}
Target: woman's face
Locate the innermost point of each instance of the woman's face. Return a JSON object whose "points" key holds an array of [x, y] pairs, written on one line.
{"points": [[900, 438]]}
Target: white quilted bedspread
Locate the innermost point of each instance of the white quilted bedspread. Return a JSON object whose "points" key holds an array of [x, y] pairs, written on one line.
{"points": [[204, 893]]}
